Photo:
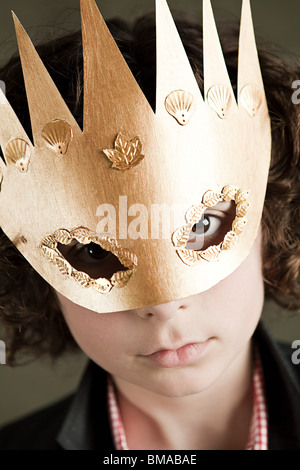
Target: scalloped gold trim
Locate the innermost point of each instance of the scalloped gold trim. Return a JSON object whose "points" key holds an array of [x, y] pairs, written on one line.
{"points": [[85, 236], [211, 198]]}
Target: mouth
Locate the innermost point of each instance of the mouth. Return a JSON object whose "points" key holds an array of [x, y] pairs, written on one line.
{"points": [[183, 356]]}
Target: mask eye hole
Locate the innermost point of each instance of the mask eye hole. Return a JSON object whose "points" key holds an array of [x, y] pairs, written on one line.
{"points": [[212, 227], [91, 259]]}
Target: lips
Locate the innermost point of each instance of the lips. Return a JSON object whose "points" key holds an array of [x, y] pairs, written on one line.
{"points": [[183, 356]]}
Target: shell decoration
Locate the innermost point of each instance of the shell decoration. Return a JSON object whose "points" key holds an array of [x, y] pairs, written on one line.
{"points": [[181, 105], [85, 236], [211, 198], [58, 135], [251, 99], [17, 153], [219, 99]]}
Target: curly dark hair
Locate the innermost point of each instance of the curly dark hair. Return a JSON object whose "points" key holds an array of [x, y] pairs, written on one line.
{"points": [[29, 312]]}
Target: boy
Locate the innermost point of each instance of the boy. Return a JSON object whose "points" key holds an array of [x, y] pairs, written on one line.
{"points": [[179, 358]]}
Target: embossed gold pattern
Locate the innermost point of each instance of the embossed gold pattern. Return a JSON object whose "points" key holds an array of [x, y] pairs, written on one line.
{"points": [[193, 215], [86, 236], [126, 154]]}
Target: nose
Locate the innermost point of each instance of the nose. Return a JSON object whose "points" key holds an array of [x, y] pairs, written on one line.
{"points": [[162, 312]]}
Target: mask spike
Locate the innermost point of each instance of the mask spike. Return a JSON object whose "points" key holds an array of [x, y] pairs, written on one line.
{"points": [[45, 102], [215, 69], [110, 88], [10, 127], [174, 71], [249, 72]]}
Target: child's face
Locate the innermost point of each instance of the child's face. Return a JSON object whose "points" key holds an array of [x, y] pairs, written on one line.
{"points": [[223, 317]]}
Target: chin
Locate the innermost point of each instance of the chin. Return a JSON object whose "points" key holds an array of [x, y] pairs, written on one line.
{"points": [[178, 382]]}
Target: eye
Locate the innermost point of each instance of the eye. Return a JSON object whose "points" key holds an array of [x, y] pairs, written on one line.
{"points": [[91, 253], [210, 230], [91, 259]]}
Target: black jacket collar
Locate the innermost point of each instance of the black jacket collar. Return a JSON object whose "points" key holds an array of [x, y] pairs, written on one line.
{"points": [[282, 380]]}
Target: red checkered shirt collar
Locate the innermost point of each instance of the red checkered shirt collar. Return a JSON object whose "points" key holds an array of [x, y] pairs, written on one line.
{"points": [[258, 435]]}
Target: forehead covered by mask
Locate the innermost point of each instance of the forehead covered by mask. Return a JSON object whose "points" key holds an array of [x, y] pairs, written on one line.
{"points": [[153, 174]]}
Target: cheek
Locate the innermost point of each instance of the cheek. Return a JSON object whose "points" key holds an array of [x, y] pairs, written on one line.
{"points": [[240, 297], [98, 335]]}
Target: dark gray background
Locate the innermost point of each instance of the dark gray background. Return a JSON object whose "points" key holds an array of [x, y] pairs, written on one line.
{"points": [[29, 387], [277, 21]]}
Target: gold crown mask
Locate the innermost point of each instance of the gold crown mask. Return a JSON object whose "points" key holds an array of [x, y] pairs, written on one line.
{"points": [[192, 151]]}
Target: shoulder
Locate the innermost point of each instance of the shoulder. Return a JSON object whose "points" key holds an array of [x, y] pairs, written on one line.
{"points": [[291, 357], [281, 372], [36, 431], [283, 358], [282, 355]]}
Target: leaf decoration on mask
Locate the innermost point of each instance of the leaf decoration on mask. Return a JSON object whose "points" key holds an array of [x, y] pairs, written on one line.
{"points": [[211, 254], [181, 236], [242, 209], [194, 214], [189, 257], [102, 285], [211, 198], [239, 224], [229, 241], [229, 192], [126, 154], [121, 278]]}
